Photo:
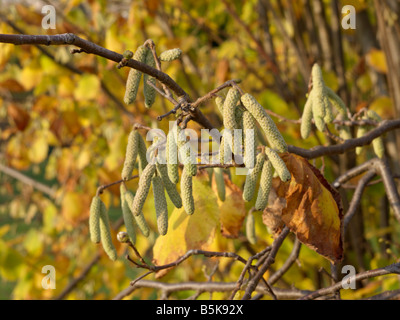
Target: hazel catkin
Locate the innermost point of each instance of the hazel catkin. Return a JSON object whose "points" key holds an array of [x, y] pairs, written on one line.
{"points": [[143, 188], [96, 207], [106, 239], [160, 205], [252, 177], [132, 83], [132, 149], [187, 191], [278, 164], [265, 186]]}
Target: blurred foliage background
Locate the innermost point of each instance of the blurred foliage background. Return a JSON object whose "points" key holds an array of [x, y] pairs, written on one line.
{"points": [[64, 126]]}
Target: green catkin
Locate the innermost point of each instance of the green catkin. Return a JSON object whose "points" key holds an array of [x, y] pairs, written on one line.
{"points": [[252, 177], [328, 111], [344, 131], [377, 143], [220, 182], [361, 131], [160, 205], [272, 133], [187, 191], [250, 228], [250, 141], [278, 164], [132, 83], [139, 219], [188, 157], [148, 91], [169, 185], [221, 152], [132, 149], [265, 186], [231, 100], [143, 188], [319, 101], [220, 104], [337, 102], [94, 218], [127, 214], [142, 151], [306, 119], [172, 156], [106, 239], [171, 55]]}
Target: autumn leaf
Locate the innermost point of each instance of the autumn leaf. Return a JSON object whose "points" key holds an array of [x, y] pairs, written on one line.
{"points": [[232, 211], [186, 232], [310, 207], [19, 116]]}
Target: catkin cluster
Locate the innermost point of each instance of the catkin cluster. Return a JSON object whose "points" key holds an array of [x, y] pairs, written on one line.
{"points": [[378, 143], [319, 107]]}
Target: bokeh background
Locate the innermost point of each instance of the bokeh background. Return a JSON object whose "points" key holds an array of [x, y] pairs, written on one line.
{"points": [[64, 127]]}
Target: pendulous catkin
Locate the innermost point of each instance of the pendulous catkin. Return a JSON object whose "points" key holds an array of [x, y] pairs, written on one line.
{"points": [[106, 239], [377, 143], [142, 153], [172, 156], [171, 55], [148, 91], [272, 133], [278, 164], [132, 149], [96, 207], [139, 219], [252, 177], [127, 214], [187, 191], [143, 188], [160, 205], [265, 186], [306, 119], [170, 187], [250, 228], [132, 83]]}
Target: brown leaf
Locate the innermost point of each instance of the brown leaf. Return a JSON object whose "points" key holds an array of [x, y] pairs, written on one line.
{"points": [[313, 208], [232, 211], [272, 214], [19, 116]]}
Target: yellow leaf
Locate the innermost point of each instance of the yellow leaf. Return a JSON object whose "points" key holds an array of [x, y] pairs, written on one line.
{"points": [[39, 148], [186, 232], [87, 88], [376, 59], [75, 207]]}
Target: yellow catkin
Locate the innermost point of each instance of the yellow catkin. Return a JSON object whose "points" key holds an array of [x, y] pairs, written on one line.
{"points": [[252, 177], [143, 188], [149, 91], [127, 214], [187, 191], [265, 186], [132, 149], [278, 164], [170, 187], [251, 229], [139, 219], [171, 55], [269, 127], [172, 156], [94, 218], [160, 205], [132, 83], [106, 238], [306, 119], [250, 141], [220, 182]]}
